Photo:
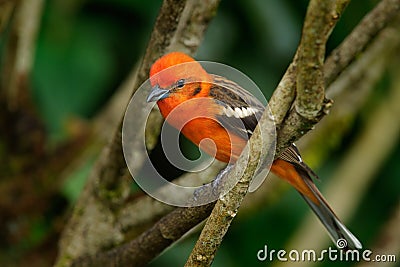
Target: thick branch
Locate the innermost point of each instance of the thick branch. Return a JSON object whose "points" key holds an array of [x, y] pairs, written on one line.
{"points": [[106, 188], [320, 20], [138, 214], [150, 243], [285, 93]]}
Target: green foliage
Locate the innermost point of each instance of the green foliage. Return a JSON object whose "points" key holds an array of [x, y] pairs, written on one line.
{"points": [[84, 51]]}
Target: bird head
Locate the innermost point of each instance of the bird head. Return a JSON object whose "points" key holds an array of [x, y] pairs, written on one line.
{"points": [[175, 78]]}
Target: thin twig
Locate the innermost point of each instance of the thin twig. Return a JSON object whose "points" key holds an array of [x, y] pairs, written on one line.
{"points": [[384, 12]]}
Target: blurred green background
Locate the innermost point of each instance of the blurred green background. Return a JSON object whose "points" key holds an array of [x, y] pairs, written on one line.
{"points": [[86, 48]]}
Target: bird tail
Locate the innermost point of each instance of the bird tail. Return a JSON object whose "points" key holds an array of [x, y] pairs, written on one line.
{"points": [[338, 232], [290, 167]]}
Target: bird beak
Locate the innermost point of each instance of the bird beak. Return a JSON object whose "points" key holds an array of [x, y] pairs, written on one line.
{"points": [[157, 93]]}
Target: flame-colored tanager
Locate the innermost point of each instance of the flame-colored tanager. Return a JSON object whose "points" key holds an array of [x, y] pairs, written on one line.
{"points": [[229, 118]]}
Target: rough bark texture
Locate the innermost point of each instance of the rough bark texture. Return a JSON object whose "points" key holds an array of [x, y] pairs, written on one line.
{"points": [[151, 242], [108, 184]]}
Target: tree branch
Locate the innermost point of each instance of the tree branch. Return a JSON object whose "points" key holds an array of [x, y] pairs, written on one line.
{"points": [[320, 19], [319, 22], [150, 243], [138, 214], [106, 188], [285, 93], [384, 12]]}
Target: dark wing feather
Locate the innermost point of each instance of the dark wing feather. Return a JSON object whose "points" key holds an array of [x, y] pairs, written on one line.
{"points": [[241, 110], [232, 97], [292, 155]]}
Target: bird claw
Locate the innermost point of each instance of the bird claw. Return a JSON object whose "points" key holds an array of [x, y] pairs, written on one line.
{"points": [[214, 190]]}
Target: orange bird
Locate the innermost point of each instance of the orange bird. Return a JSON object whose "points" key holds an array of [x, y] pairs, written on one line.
{"points": [[203, 105]]}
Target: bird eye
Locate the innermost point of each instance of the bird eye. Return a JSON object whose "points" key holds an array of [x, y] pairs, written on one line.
{"points": [[180, 83]]}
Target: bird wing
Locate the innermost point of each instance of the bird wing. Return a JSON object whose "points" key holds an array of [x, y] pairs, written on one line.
{"points": [[240, 114], [292, 155], [240, 110]]}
